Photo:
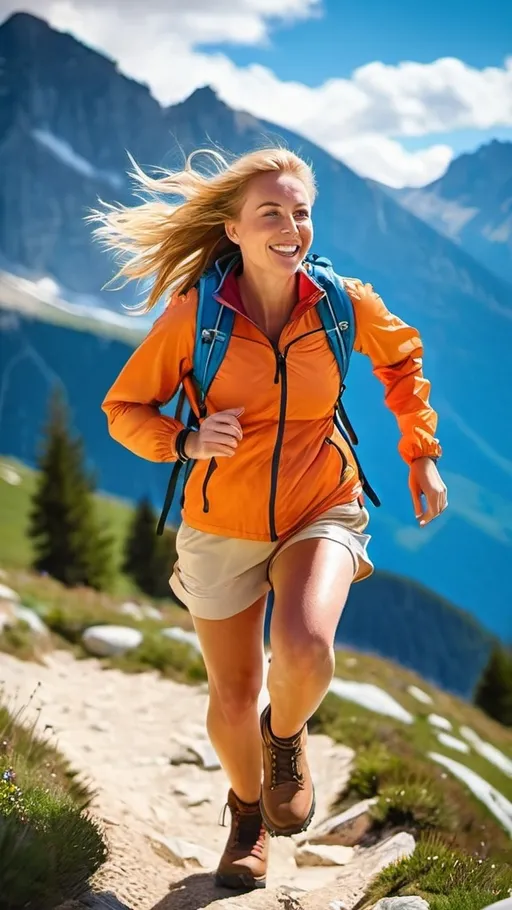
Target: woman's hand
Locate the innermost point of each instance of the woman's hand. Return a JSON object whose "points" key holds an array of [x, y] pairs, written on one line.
{"points": [[425, 481], [218, 436]]}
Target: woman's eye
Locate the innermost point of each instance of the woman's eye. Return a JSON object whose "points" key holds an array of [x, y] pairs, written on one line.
{"points": [[302, 214], [268, 214]]}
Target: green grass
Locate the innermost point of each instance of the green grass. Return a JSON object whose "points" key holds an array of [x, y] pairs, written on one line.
{"points": [[49, 845], [414, 792], [448, 879]]}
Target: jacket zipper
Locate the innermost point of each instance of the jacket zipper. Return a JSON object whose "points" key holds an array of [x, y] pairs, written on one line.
{"points": [[211, 468], [280, 374], [341, 453]]}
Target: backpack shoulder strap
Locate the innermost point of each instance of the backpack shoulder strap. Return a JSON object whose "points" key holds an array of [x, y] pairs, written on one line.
{"points": [[338, 319], [214, 325], [336, 312]]}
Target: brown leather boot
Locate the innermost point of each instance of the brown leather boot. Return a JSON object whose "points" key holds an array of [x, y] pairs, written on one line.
{"points": [[288, 797], [243, 864]]}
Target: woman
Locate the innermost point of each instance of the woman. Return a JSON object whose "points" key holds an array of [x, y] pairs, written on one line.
{"points": [[261, 512]]}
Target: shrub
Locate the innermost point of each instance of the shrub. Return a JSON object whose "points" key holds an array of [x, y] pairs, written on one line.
{"points": [[415, 805], [372, 769], [49, 846]]}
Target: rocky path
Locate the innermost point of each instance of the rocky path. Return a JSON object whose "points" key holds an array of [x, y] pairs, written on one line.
{"points": [[138, 739]]}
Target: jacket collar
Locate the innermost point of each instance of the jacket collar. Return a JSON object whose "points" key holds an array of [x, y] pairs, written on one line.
{"points": [[228, 291]]}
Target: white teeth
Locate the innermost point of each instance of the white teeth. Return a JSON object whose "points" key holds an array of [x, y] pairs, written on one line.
{"points": [[282, 248]]}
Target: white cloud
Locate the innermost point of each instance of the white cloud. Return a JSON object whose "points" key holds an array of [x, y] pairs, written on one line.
{"points": [[360, 119]]}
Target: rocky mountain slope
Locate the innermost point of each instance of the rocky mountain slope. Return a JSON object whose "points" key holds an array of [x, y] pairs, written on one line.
{"points": [[472, 205]]}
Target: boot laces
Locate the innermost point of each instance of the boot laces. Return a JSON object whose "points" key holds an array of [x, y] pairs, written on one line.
{"points": [[285, 765], [247, 829]]}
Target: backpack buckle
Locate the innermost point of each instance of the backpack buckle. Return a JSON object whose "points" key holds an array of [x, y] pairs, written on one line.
{"points": [[211, 335]]}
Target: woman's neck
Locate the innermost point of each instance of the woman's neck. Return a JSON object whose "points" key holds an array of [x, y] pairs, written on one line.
{"points": [[269, 303]]}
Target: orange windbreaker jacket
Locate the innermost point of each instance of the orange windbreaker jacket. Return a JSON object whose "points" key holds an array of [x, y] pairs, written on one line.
{"points": [[292, 463]]}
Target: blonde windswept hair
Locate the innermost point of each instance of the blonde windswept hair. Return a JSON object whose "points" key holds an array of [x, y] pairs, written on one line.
{"points": [[173, 244]]}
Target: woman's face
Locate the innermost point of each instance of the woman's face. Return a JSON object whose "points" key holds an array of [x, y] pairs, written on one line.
{"points": [[274, 229]]}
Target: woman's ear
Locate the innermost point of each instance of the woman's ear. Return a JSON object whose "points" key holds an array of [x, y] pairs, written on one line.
{"points": [[231, 232]]}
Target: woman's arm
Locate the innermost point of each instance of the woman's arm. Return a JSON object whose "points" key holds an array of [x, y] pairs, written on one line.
{"points": [[396, 354], [149, 379]]}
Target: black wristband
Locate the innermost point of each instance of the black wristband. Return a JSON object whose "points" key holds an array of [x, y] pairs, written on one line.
{"points": [[181, 438]]}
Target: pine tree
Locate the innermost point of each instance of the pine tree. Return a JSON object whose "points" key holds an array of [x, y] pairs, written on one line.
{"points": [[494, 690], [148, 558], [69, 543]]}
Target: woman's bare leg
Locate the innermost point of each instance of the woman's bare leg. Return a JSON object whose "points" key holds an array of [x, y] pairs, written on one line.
{"points": [[233, 654]]}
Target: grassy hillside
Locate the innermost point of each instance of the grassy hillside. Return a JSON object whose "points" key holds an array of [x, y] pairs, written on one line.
{"points": [[15, 546]]}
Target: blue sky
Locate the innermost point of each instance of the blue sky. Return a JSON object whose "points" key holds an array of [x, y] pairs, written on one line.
{"points": [[347, 35], [394, 89]]}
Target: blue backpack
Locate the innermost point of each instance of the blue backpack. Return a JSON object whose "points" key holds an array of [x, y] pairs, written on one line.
{"points": [[214, 326]]}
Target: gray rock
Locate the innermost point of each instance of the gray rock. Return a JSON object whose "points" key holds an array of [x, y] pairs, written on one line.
{"points": [[107, 641], [203, 750], [346, 829], [12, 613], [131, 609], [36, 624], [177, 634], [391, 850], [323, 855], [184, 853], [402, 903], [150, 612], [181, 755]]}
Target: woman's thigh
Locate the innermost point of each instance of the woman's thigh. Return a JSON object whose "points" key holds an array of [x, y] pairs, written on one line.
{"points": [[311, 580]]}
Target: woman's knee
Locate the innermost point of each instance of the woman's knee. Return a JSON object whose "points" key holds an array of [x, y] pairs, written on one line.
{"points": [[234, 697], [303, 653]]}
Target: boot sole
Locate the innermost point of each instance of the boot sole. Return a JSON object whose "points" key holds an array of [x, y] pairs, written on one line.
{"points": [[239, 882], [287, 832]]}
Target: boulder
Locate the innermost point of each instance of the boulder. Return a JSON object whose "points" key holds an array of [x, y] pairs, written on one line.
{"points": [[346, 829], [330, 855], [108, 641]]}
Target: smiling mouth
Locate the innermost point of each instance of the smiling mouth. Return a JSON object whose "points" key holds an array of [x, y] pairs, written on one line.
{"points": [[286, 249]]}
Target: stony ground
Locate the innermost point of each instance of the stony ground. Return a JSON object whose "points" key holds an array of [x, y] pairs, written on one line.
{"points": [[137, 739]]}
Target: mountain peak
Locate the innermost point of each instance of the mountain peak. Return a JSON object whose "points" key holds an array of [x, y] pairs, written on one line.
{"points": [[23, 21], [202, 97]]}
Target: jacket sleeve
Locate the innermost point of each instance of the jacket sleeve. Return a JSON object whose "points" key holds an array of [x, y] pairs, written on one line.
{"points": [[396, 354], [149, 379]]}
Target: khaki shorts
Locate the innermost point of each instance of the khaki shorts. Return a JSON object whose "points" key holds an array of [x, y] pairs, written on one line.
{"points": [[217, 577]]}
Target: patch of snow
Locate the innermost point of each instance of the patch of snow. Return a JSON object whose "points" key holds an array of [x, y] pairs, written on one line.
{"points": [[10, 475], [453, 743], [420, 695], [440, 722], [500, 807], [488, 751], [370, 696], [66, 153], [8, 594]]}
